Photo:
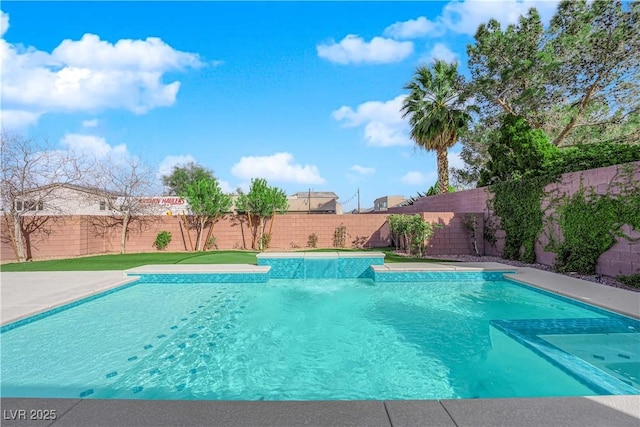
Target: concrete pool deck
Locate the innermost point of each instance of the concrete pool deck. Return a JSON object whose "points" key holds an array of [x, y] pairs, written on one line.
{"points": [[25, 294]]}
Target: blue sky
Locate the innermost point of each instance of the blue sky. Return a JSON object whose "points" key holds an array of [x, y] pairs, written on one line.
{"points": [[304, 94]]}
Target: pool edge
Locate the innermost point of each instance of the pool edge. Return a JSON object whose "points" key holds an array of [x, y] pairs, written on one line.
{"points": [[567, 411]]}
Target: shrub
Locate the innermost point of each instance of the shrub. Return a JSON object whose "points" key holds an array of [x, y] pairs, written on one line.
{"points": [[339, 236], [632, 280], [312, 242], [411, 232], [264, 242], [359, 242], [162, 240], [434, 190], [211, 243]]}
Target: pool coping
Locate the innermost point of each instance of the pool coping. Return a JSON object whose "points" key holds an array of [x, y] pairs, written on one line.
{"points": [[620, 411], [568, 411]]}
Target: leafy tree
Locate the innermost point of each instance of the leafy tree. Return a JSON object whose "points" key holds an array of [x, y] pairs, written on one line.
{"points": [[207, 203], [181, 176], [259, 205], [596, 67], [437, 112], [578, 80], [507, 69], [582, 72], [519, 151], [474, 154]]}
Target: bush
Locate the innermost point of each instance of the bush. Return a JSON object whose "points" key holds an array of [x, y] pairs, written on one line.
{"points": [[411, 232], [162, 240], [211, 243], [518, 152], [434, 190], [312, 242], [339, 236], [632, 280], [592, 156]]}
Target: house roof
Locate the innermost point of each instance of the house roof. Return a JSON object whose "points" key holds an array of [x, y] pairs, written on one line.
{"points": [[84, 189], [316, 195], [302, 205]]}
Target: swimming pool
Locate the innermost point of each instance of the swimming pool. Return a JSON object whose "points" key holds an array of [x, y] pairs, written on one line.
{"points": [[314, 339]]}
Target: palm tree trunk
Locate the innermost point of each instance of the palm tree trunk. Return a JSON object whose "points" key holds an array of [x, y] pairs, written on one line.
{"points": [[443, 171]]}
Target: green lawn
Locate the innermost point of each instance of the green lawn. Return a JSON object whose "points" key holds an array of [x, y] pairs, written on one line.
{"points": [[126, 261]]}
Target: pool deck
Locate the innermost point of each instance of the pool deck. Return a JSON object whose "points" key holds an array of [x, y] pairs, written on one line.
{"points": [[25, 294]]}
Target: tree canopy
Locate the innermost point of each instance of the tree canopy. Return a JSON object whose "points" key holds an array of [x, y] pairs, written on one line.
{"points": [[578, 75], [181, 176], [437, 113], [577, 80], [520, 150], [207, 203], [259, 204]]}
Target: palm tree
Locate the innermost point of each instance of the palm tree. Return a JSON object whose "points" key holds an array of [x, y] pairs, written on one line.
{"points": [[437, 112]]}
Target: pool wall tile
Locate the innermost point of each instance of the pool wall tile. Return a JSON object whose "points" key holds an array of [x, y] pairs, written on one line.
{"points": [[202, 278], [337, 267], [437, 276], [284, 268]]}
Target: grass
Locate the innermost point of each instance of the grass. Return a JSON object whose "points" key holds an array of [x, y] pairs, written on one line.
{"points": [[126, 261]]}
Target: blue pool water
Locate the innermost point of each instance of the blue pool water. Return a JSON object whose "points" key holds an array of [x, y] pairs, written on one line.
{"points": [[320, 339]]}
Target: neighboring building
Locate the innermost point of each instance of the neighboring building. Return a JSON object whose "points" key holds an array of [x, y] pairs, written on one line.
{"points": [[362, 210], [65, 199], [68, 199], [381, 204], [314, 202]]}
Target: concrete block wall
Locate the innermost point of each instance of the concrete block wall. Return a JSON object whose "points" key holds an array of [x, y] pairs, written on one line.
{"points": [[79, 235], [83, 235], [622, 258], [467, 201]]}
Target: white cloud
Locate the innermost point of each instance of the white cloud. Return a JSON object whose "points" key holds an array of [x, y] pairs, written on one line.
{"points": [[465, 16], [226, 187], [362, 170], [277, 167], [414, 28], [92, 146], [417, 178], [169, 162], [354, 50], [150, 55], [440, 51], [90, 123], [17, 119], [382, 121], [4, 23], [91, 75]]}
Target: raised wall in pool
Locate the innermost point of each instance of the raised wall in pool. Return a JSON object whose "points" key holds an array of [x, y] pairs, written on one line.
{"points": [[320, 265]]}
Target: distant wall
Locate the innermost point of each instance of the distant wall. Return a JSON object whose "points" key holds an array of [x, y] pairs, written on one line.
{"points": [[84, 235], [467, 201]]}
